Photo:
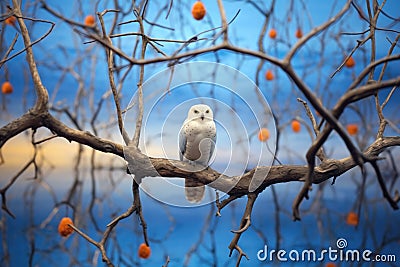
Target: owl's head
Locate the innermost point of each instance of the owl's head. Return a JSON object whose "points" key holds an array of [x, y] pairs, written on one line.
{"points": [[201, 112]]}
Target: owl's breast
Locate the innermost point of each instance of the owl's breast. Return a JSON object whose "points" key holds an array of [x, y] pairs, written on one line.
{"points": [[199, 140]]}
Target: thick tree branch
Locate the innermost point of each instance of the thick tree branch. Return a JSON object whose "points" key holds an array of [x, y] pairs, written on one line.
{"points": [[153, 167], [29, 120]]}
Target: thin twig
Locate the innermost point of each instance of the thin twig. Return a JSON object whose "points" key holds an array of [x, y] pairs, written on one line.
{"points": [[10, 48], [110, 63], [223, 20], [244, 225], [139, 119]]}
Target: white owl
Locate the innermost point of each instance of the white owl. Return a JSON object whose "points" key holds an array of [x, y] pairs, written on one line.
{"points": [[196, 144]]}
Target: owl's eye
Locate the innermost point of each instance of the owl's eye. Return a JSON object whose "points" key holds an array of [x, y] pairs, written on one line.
{"points": [[207, 111], [196, 111]]}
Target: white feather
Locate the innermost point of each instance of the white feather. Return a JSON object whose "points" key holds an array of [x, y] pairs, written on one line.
{"points": [[197, 139]]}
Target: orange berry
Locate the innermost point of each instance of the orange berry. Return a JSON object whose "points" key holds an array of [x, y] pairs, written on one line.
{"points": [[11, 20], [352, 218], [263, 135], [63, 228], [352, 129], [269, 75], [299, 33], [144, 251], [7, 88], [330, 264], [272, 33], [198, 10], [296, 126], [90, 20], [350, 62]]}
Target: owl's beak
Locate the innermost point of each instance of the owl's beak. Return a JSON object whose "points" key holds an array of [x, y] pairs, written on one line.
{"points": [[202, 117]]}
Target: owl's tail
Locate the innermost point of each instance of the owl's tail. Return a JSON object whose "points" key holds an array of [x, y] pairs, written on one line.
{"points": [[194, 191]]}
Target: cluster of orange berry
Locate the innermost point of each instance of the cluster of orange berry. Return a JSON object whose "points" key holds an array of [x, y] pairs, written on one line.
{"points": [[65, 229], [273, 33]]}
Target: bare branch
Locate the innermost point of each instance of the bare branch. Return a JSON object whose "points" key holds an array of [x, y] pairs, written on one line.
{"points": [[139, 119], [223, 20], [110, 63], [10, 48], [244, 225], [41, 92], [392, 201], [316, 31]]}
